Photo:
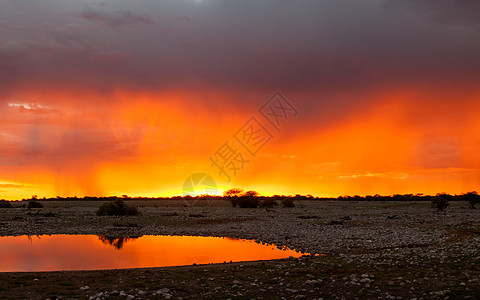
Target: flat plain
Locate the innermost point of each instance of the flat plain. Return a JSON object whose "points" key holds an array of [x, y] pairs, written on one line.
{"points": [[358, 250]]}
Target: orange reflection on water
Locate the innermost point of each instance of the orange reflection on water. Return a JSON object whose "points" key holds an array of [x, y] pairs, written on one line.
{"points": [[90, 252]]}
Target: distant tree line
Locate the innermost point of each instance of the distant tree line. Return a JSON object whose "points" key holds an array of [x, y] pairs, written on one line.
{"points": [[240, 198]]}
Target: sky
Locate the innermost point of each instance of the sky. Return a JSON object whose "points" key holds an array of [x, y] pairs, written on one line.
{"points": [[133, 97]]}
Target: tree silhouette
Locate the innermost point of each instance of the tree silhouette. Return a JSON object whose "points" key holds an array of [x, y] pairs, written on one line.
{"points": [[250, 194], [440, 202], [116, 242], [472, 198], [232, 195]]}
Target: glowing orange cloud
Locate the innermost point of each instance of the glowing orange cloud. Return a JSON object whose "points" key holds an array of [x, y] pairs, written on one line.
{"points": [[147, 144]]}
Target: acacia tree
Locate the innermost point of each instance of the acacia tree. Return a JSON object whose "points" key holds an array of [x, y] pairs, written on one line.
{"points": [[232, 195], [250, 194], [235, 192], [237, 197]]}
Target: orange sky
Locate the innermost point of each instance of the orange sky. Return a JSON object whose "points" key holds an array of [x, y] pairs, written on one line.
{"points": [[147, 148], [124, 98]]}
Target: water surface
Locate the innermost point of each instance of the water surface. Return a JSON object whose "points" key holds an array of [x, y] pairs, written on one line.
{"points": [[91, 252]]}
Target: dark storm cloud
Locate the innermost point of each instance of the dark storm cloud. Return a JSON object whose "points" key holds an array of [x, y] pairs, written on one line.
{"points": [[308, 46]]}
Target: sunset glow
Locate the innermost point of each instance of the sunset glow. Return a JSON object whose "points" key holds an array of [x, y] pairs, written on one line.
{"points": [[138, 112], [89, 252]]}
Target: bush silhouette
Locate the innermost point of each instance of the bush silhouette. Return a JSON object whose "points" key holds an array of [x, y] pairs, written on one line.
{"points": [[268, 203], [472, 198], [34, 204], [288, 202], [248, 200], [440, 202], [117, 208], [5, 204]]}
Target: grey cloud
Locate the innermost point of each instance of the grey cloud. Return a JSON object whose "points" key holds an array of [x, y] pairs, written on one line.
{"points": [[446, 11], [318, 47], [116, 18]]}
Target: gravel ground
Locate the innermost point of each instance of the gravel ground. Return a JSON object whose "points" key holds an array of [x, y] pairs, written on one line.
{"points": [[385, 250]]}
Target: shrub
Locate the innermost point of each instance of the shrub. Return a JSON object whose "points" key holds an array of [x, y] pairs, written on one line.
{"points": [[440, 202], [34, 204], [248, 200], [117, 208], [472, 198], [288, 202], [5, 204], [268, 203]]}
